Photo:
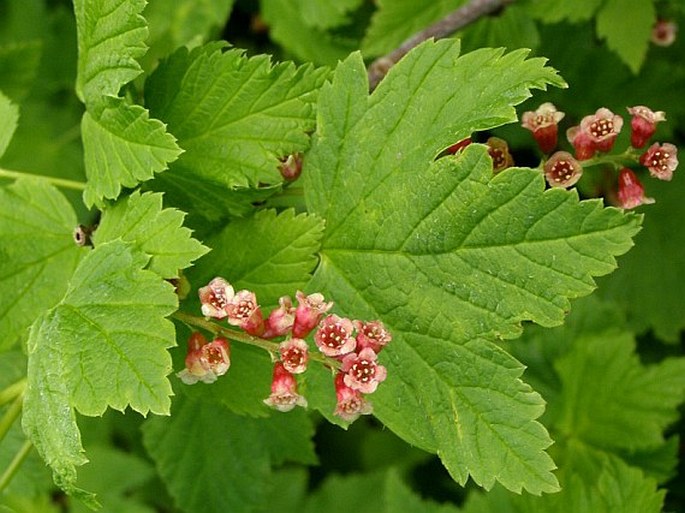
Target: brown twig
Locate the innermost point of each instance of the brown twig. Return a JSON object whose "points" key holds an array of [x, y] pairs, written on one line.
{"points": [[448, 25]]}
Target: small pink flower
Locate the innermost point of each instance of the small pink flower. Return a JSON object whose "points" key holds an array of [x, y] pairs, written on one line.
{"points": [[243, 311], [284, 396], [582, 142], [371, 334], [661, 160], [351, 403], [458, 146], [643, 124], [334, 336], [664, 33], [562, 170], [603, 127], [205, 361], [544, 124], [631, 194], [291, 167], [294, 354], [309, 311], [498, 149], [362, 372], [280, 319], [214, 298]]}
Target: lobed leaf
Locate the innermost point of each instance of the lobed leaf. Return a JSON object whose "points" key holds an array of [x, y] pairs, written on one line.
{"points": [[370, 493], [325, 15], [111, 37], [554, 11], [236, 476], [159, 233], [292, 25], [397, 20], [448, 257], [607, 395], [628, 36], [598, 483], [19, 65], [123, 146], [9, 113], [643, 284], [48, 418], [37, 251], [105, 344], [271, 254], [234, 116], [175, 23]]}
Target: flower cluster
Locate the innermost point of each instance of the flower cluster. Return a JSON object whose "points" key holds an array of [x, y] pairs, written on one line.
{"points": [[356, 345], [205, 361], [349, 347], [596, 135]]}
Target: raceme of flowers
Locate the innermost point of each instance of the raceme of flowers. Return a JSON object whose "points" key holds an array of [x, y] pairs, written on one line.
{"points": [[592, 140], [352, 346]]}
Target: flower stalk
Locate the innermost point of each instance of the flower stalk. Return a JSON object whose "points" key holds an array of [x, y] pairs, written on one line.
{"points": [[58, 182]]}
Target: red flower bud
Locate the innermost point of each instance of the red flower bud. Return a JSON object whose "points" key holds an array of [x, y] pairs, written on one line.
{"points": [[631, 194]]}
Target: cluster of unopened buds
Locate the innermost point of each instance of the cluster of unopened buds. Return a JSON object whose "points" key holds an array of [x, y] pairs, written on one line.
{"points": [[349, 347], [592, 140]]}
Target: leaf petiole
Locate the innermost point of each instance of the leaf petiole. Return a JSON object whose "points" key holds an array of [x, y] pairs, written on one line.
{"points": [[15, 464], [14, 390], [58, 182], [11, 415]]}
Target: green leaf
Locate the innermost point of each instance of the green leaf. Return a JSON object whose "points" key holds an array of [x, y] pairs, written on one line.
{"points": [[115, 475], [174, 23], [513, 28], [270, 254], [123, 146], [48, 418], [397, 20], [234, 116], [553, 11], [236, 476], [323, 14], [595, 483], [378, 492], [37, 251], [644, 283], [111, 36], [32, 478], [289, 27], [18, 68], [9, 113], [119, 309], [627, 35], [608, 395], [105, 344], [157, 232], [443, 274]]}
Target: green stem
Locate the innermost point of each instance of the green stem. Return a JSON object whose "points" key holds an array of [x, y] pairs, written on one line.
{"points": [[9, 393], [59, 182], [10, 416], [239, 336], [290, 197], [15, 464]]}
